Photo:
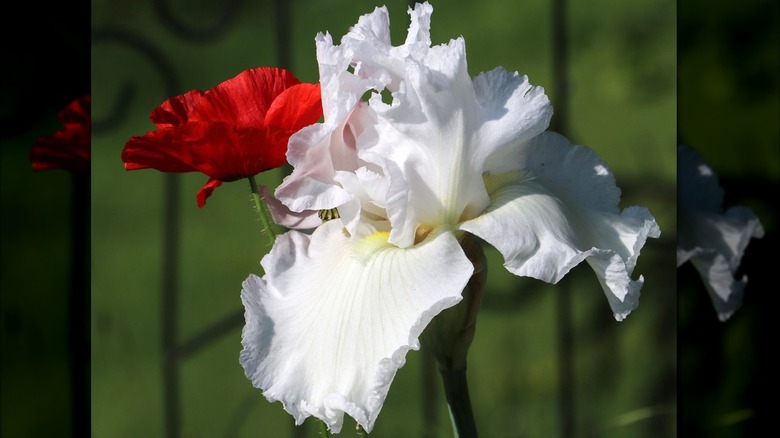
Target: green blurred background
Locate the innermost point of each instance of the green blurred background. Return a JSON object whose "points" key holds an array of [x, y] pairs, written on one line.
{"points": [[623, 102]]}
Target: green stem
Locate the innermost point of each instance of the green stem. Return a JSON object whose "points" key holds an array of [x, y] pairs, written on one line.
{"points": [[324, 430], [457, 392], [267, 227]]}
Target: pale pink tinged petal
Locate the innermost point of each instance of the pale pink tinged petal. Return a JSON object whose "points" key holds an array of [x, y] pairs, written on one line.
{"points": [[331, 322], [562, 211], [285, 217], [317, 152]]}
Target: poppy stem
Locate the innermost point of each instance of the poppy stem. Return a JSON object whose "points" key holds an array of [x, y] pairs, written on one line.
{"points": [[267, 228]]}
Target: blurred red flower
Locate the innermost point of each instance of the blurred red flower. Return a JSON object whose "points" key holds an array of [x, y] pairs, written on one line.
{"points": [[235, 130], [68, 148]]}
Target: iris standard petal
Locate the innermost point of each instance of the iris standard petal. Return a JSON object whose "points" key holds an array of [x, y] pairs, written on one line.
{"points": [[563, 210], [330, 323], [442, 131], [513, 112]]}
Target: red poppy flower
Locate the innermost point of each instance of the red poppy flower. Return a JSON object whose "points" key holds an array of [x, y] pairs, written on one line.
{"points": [[68, 148], [235, 130]]}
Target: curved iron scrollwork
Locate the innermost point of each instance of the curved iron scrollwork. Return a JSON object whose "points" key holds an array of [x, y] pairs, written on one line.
{"points": [[128, 89], [172, 22]]}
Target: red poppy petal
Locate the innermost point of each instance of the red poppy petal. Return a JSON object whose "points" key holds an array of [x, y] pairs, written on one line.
{"points": [[219, 150], [206, 191], [297, 107], [222, 132], [229, 153], [77, 112], [244, 99], [60, 151], [176, 110], [68, 148], [159, 150]]}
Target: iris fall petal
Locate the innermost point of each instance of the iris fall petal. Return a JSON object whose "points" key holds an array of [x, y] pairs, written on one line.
{"points": [[330, 323]]}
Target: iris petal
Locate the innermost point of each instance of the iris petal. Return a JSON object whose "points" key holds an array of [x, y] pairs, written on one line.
{"points": [[563, 210], [330, 323]]}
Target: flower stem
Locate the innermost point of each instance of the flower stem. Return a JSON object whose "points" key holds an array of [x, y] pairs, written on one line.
{"points": [[457, 391], [449, 336], [267, 227], [324, 430]]}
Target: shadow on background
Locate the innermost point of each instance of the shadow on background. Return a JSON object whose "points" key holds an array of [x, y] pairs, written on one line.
{"points": [[729, 112], [44, 227]]}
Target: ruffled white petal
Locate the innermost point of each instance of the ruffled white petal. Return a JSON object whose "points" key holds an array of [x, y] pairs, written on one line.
{"points": [[375, 57], [713, 241], [419, 33], [514, 111], [330, 323], [562, 210], [432, 143], [442, 131]]}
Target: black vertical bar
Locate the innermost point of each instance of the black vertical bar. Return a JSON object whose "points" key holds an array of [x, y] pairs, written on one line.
{"points": [[282, 19], [169, 311], [560, 124], [560, 121], [565, 361]]}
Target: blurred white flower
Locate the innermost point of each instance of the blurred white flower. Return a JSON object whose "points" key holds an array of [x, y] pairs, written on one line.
{"points": [[711, 239], [412, 154]]}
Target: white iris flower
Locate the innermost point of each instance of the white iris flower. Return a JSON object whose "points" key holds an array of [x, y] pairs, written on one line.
{"points": [[711, 239], [414, 153]]}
